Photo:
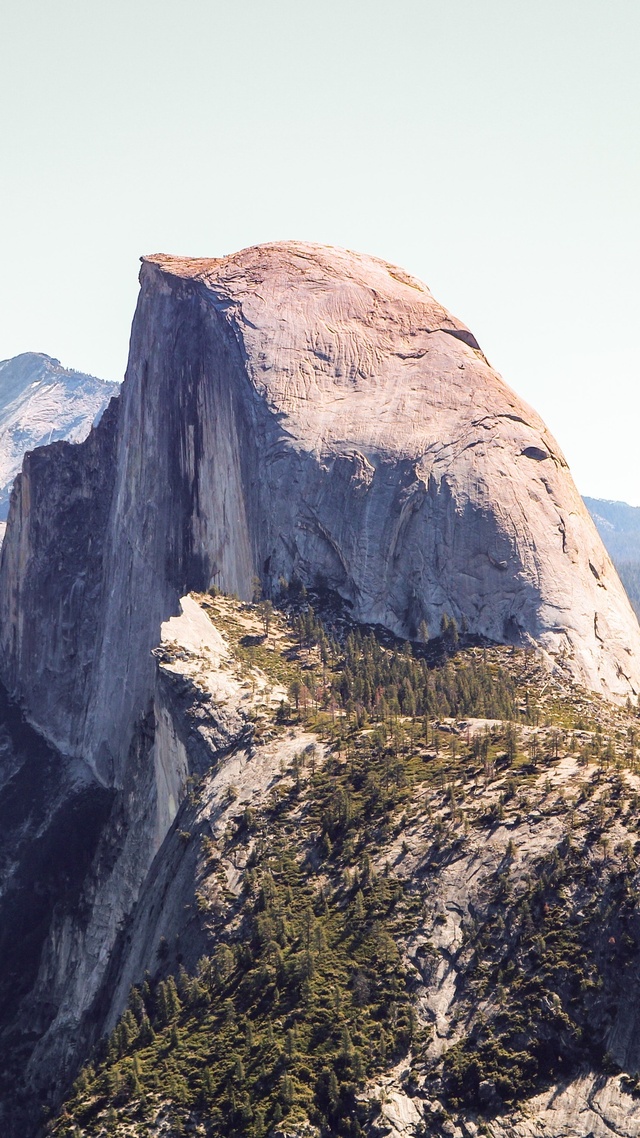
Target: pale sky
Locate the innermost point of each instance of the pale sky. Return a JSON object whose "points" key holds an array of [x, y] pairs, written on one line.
{"points": [[490, 147]]}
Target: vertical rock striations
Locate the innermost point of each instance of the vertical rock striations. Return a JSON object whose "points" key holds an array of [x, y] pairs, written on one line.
{"points": [[297, 410], [52, 570], [290, 411]]}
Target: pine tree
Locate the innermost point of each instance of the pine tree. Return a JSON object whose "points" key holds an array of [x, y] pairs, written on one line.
{"points": [[146, 1035], [287, 1091], [136, 1003], [333, 1090], [359, 911], [346, 1045], [357, 1067], [265, 608]]}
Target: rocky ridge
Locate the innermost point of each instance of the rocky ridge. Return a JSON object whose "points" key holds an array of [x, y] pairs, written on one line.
{"points": [[56, 994], [487, 905]]}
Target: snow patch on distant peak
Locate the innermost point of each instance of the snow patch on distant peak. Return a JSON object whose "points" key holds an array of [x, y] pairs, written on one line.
{"points": [[42, 402]]}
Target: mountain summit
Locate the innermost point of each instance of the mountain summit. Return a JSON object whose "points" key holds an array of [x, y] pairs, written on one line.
{"points": [[41, 401], [296, 412], [305, 835], [374, 447]]}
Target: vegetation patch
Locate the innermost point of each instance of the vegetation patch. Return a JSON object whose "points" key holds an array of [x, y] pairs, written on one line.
{"points": [[308, 993]]}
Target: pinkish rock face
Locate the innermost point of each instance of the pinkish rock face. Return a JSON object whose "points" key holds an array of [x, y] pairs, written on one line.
{"points": [[394, 463], [291, 410], [296, 410]]}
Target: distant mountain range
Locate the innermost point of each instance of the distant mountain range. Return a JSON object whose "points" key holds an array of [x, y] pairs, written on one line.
{"points": [[619, 527], [41, 401]]}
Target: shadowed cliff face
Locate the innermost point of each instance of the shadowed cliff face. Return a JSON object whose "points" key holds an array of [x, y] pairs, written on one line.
{"points": [[292, 411], [298, 411], [52, 813], [52, 573]]}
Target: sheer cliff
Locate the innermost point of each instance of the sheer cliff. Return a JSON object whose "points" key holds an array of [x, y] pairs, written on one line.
{"points": [[304, 416], [301, 411]]}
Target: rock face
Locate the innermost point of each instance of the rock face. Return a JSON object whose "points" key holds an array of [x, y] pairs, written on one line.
{"points": [[40, 402], [75, 856], [296, 410], [517, 934], [291, 411]]}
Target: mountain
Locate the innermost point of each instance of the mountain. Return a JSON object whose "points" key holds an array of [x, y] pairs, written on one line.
{"points": [[619, 527], [41, 401], [199, 796], [295, 411]]}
